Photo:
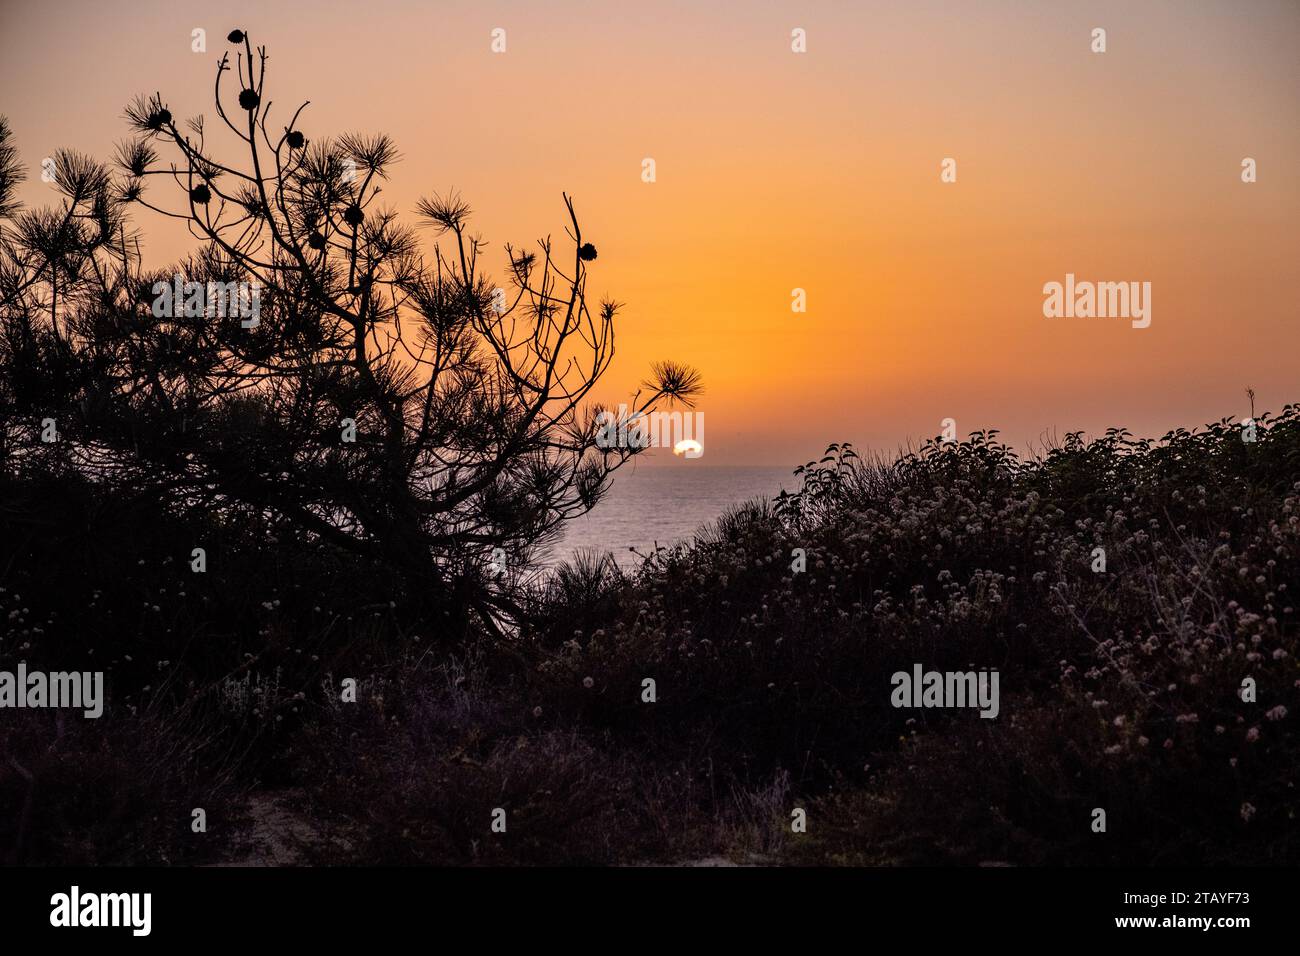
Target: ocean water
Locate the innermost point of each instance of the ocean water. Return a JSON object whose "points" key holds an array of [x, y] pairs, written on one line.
{"points": [[665, 504]]}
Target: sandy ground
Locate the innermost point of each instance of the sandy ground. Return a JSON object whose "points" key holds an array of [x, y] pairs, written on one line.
{"points": [[278, 835]]}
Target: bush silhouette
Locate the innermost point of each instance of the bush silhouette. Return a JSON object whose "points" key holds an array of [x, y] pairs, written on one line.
{"points": [[311, 363]]}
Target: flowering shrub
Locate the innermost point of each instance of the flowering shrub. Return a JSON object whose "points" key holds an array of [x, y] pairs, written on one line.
{"points": [[1136, 598], [1123, 687]]}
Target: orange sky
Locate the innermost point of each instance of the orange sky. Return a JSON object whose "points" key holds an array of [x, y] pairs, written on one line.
{"points": [[779, 170]]}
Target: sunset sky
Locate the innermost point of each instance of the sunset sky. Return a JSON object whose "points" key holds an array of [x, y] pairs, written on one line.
{"points": [[778, 170]]}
